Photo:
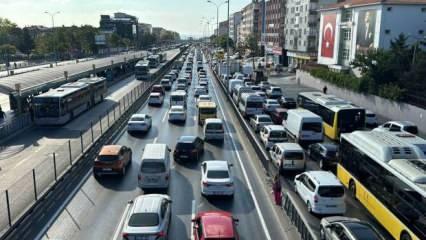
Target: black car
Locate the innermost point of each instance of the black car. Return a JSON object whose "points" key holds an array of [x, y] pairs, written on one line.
{"points": [[188, 148], [325, 154], [287, 102]]}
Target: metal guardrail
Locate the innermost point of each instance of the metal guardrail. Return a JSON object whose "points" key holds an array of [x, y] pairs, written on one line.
{"points": [[20, 199], [10, 127], [288, 203]]}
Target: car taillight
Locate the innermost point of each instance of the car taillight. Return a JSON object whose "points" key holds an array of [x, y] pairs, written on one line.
{"points": [[160, 234], [205, 184], [315, 198], [229, 184], [125, 235]]}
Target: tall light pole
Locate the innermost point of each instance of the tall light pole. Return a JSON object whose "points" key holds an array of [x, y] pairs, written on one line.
{"points": [[217, 12], [52, 16], [227, 47]]}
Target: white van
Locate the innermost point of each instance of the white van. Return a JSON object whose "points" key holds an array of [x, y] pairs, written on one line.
{"points": [[288, 156], [155, 167], [304, 126], [250, 104], [271, 134], [232, 83], [213, 129], [178, 98], [238, 90]]}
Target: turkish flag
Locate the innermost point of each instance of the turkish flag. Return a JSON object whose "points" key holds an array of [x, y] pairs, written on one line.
{"points": [[328, 34]]}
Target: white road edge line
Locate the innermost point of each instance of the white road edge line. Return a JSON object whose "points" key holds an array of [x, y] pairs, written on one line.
{"points": [[256, 204], [165, 115], [155, 140], [120, 224], [192, 217]]}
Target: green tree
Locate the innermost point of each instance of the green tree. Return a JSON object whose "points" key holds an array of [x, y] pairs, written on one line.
{"points": [[6, 50], [27, 43], [221, 41], [115, 40]]}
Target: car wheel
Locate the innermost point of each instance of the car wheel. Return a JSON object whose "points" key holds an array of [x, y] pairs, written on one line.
{"points": [[309, 207], [322, 233], [405, 236], [352, 188]]}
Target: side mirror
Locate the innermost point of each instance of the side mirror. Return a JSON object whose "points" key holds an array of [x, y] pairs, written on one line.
{"points": [[130, 202], [169, 201], [231, 164], [169, 149]]}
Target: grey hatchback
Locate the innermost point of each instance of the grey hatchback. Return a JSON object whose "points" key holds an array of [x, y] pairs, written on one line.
{"points": [[347, 229], [148, 218]]}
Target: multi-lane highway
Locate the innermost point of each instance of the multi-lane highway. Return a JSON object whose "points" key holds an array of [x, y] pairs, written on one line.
{"points": [[97, 210]]}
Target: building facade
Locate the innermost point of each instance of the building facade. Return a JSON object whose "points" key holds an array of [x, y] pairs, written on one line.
{"points": [[301, 29], [356, 26], [126, 26], [234, 22], [144, 28], [223, 28], [250, 23], [274, 35]]}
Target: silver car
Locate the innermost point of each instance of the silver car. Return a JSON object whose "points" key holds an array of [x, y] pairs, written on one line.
{"points": [[340, 227], [148, 218]]}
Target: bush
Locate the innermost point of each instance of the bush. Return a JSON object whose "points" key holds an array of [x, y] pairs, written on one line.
{"points": [[391, 91], [342, 80]]}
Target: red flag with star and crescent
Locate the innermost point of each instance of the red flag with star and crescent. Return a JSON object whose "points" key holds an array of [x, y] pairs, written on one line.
{"points": [[328, 34]]}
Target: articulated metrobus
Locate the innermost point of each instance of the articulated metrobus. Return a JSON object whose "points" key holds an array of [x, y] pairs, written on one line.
{"points": [[339, 116], [388, 177], [142, 70]]}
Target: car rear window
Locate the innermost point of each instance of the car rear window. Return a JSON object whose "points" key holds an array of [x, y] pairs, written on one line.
{"points": [[293, 155], [185, 146], [214, 126], [278, 134], [137, 119], [107, 158], [362, 231], [144, 220], [264, 119], [207, 110], [411, 129], [217, 174], [154, 96], [315, 127], [331, 191], [153, 167]]}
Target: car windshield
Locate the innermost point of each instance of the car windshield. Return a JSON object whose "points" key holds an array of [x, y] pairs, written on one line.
{"points": [[293, 155], [264, 119], [331, 191], [217, 174], [144, 220], [314, 127], [137, 119], [153, 167], [107, 158], [411, 129]]}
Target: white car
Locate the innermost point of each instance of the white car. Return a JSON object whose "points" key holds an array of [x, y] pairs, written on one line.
{"points": [[274, 92], [271, 134], [371, 119], [261, 94], [155, 98], [269, 105], [199, 90], [139, 122], [398, 126], [177, 113], [216, 178], [258, 121], [204, 84], [321, 191], [181, 86], [204, 98]]}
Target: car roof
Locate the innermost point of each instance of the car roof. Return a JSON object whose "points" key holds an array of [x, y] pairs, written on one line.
{"points": [[149, 203], [324, 178], [275, 127], [141, 115], [262, 115], [328, 146], [359, 228], [155, 94], [271, 100], [217, 164], [402, 123], [175, 107], [213, 120], [110, 150], [289, 146], [187, 139], [217, 224], [204, 96]]}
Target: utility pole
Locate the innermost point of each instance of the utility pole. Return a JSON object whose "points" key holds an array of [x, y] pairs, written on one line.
{"points": [[227, 47], [52, 16]]}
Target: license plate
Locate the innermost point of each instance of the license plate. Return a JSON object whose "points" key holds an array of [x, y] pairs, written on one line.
{"points": [[151, 179], [333, 206], [107, 169], [183, 156]]}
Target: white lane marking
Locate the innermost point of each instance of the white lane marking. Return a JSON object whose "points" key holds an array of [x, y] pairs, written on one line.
{"points": [[192, 217], [165, 115], [155, 140], [120, 224], [256, 204]]}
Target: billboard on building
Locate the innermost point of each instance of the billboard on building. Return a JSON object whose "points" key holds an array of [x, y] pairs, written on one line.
{"points": [[365, 32], [328, 35], [100, 39]]}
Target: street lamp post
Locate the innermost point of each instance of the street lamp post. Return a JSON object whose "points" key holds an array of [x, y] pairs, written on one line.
{"points": [[217, 12], [227, 47], [52, 16]]}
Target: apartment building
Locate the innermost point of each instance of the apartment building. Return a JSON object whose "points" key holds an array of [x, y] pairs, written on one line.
{"points": [[234, 22], [251, 22], [274, 35]]}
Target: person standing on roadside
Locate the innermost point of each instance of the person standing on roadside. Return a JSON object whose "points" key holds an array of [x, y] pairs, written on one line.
{"points": [[2, 114], [324, 89], [276, 189]]}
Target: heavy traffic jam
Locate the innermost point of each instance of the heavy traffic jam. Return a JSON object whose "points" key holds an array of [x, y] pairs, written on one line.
{"points": [[381, 166]]}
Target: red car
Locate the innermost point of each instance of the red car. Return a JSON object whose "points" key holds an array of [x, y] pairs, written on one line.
{"points": [[278, 115], [214, 225], [158, 88]]}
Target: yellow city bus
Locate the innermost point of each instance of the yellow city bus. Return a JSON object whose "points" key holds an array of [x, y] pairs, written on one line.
{"points": [[388, 177], [206, 110], [339, 116]]}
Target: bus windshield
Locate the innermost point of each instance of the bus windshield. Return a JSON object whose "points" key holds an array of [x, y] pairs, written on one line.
{"points": [[207, 110], [46, 107], [350, 120]]}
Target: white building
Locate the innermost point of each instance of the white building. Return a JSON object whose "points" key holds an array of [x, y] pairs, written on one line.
{"points": [[234, 21], [355, 26]]}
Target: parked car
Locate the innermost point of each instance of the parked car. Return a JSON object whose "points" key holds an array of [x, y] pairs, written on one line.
{"points": [[371, 119], [399, 126], [216, 178], [148, 217], [155, 99], [199, 90], [325, 154], [204, 98], [214, 225], [177, 113], [321, 191], [278, 115], [274, 92], [270, 105], [258, 121], [271, 134], [112, 159], [287, 102], [347, 228], [139, 123], [158, 88], [188, 148]]}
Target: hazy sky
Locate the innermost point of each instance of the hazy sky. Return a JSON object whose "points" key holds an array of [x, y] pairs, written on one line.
{"points": [[183, 16]]}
